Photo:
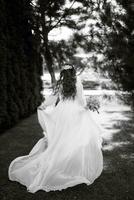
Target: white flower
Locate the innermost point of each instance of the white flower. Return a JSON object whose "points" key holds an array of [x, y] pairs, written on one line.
{"points": [[67, 67]]}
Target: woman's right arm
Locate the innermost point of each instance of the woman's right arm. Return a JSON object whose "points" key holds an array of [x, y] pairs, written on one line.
{"points": [[49, 100]]}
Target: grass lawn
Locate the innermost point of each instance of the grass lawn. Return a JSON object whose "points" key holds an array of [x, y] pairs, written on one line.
{"points": [[115, 183]]}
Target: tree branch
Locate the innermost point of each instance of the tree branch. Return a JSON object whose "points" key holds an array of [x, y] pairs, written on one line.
{"points": [[61, 17]]}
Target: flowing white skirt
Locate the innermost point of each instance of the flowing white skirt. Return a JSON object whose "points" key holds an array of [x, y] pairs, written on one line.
{"points": [[69, 153]]}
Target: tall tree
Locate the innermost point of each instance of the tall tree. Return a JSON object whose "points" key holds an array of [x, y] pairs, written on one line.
{"points": [[115, 41], [53, 14], [20, 63]]}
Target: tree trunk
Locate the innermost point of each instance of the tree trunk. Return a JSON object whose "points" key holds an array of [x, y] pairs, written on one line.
{"points": [[49, 62], [46, 49]]}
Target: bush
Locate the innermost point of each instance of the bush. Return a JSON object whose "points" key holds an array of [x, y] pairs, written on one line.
{"points": [[20, 64]]}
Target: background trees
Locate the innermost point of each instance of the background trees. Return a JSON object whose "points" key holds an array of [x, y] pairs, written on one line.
{"points": [[101, 29], [115, 41], [20, 63], [53, 14]]}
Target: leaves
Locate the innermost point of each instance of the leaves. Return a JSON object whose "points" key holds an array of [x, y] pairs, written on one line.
{"points": [[20, 63]]}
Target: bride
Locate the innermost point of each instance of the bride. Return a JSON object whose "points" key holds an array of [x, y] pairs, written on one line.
{"points": [[70, 151]]}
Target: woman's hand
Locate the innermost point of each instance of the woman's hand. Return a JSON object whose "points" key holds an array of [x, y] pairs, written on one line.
{"points": [[92, 108], [42, 107]]}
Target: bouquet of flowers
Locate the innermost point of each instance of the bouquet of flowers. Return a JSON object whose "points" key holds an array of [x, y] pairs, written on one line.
{"points": [[93, 104]]}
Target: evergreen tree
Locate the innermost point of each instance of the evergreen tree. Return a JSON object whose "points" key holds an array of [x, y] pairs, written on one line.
{"points": [[20, 63], [115, 41], [53, 14]]}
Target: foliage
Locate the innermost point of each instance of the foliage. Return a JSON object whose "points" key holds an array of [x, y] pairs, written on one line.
{"points": [[58, 14], [115, 41], [20, 64]]}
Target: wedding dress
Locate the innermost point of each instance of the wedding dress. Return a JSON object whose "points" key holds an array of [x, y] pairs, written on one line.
{"points": [[70, 151]]}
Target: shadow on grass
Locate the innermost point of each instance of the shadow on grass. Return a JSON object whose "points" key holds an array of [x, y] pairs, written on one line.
{"points": [[119, 158], [115, 183]]}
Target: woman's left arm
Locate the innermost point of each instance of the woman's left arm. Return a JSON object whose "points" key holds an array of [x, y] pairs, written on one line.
{"points": [[80, 93]]}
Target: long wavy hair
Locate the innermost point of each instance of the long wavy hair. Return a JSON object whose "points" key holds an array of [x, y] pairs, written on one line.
{"points": [[67, 83]]}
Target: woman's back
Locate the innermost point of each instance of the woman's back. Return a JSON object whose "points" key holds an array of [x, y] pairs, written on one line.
{"points": [[73, 154]]}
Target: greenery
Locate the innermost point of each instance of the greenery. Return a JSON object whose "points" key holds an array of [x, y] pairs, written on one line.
{"points": [[109, 34], [108, 42], [25, 28], [20, 63], [113, 39], [52, 14]]}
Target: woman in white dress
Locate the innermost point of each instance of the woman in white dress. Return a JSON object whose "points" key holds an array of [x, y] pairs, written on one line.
{"points": [[70, 151]]}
